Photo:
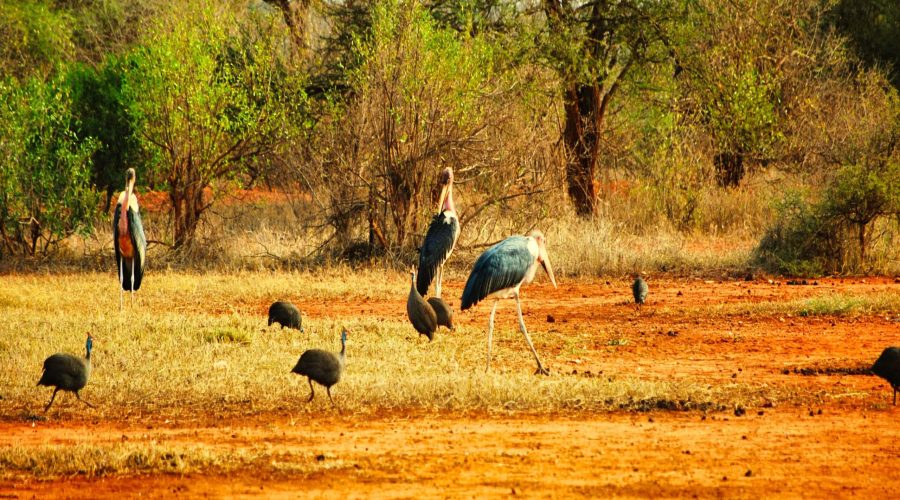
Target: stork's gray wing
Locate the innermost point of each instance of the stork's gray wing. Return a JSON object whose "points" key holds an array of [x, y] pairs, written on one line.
{"points": [[139, 240], [439, 242], [504, 265]]}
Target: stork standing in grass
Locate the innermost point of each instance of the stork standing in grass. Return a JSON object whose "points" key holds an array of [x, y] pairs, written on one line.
{"points": [[440, 238], [129, 240], [499, 273]]}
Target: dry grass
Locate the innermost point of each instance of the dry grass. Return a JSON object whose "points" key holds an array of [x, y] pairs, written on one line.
{"points": [[196, 344], [835, 304]]}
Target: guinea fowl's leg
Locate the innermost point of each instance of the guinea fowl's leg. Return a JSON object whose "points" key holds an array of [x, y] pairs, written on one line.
{"points": [[540, 369], [51, 400], [83, 401], [490, 334], [328, 390], [312, 392]]}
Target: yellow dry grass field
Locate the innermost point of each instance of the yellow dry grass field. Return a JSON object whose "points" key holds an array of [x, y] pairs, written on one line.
{"points": [[194, 395]]}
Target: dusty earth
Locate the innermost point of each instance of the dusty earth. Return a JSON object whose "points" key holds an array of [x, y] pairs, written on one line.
{"points": [[841, 442]]}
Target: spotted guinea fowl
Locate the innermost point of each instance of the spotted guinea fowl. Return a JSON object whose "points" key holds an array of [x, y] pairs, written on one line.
{"points": [[442, 311], [67, 372], [887, 366], [322, 367], [285, 314], [640, 290], [420, 312]]}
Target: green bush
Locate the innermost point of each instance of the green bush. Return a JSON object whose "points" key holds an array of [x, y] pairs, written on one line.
{"points": [[45, 185]]}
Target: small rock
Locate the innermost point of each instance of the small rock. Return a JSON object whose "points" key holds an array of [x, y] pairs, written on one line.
{"points": [[551, 319], [748, 473], [320, 458], [739, 411], [760, 413], [679, 293], [819, 412], [672, 333]]}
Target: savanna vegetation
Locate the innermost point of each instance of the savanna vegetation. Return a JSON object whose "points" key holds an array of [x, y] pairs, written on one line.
{"points": [[680, 135]]}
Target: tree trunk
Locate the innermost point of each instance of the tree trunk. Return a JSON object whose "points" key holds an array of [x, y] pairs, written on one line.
{"points": [[187, 204], [294, 13], [582, 138]]}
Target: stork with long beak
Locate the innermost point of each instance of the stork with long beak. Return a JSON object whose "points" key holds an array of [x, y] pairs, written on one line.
{"points": [[499, 273], [440, 238], [129, 240]]}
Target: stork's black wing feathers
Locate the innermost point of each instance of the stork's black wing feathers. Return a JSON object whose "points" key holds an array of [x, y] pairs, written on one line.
{"points": [[439, 242], [502, 266], [138, 241]]}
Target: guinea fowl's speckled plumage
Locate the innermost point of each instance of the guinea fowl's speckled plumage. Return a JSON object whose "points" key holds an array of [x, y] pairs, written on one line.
{"points": [[420, 312], [67, 372], [640, 290], [442, 311], [285, 314], [887, 366], [322, 367]]}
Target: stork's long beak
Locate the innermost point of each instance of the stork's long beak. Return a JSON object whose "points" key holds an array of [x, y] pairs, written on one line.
{"points": [[445, 190], [545, 261]]}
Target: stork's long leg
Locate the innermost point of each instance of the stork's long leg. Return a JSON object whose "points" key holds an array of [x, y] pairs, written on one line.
{"points": [[312, 392], [437, 282], [540, 369], [133, 262], [51, 399], [490, 334], [121, 288]]}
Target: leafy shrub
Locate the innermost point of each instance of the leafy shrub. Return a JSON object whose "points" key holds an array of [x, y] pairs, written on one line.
{"points": [[45, 182]]}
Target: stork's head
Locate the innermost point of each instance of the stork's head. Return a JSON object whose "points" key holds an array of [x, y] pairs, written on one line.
{"points": [[543, 257], [445, 181], [130, 176]]}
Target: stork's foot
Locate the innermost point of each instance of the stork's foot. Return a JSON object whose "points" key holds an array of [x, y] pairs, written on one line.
{"points": [[542, 371]]}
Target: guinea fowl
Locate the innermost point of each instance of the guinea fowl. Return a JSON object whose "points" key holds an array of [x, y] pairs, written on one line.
{"points": [[285, 314], [887, 366], [67, 372], [322, 367], [640, 290], [442, 311], [420, 312]]}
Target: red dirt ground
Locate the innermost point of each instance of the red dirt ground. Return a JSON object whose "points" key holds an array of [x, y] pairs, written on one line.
{"points": [[843, 445]]}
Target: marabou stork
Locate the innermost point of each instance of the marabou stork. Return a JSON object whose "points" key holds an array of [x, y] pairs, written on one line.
{"points": [[500, 271], [129, 239], [440, 238]]}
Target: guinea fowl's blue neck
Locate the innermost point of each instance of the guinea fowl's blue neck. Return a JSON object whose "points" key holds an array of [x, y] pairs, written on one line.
{"points": [[87, 347], [343, 347]]}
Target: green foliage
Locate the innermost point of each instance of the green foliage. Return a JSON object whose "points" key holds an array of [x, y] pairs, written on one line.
{"points": [[45, 180], [102, 112], [206, 100], [799, 242], [873, 27], [34, 37]]}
